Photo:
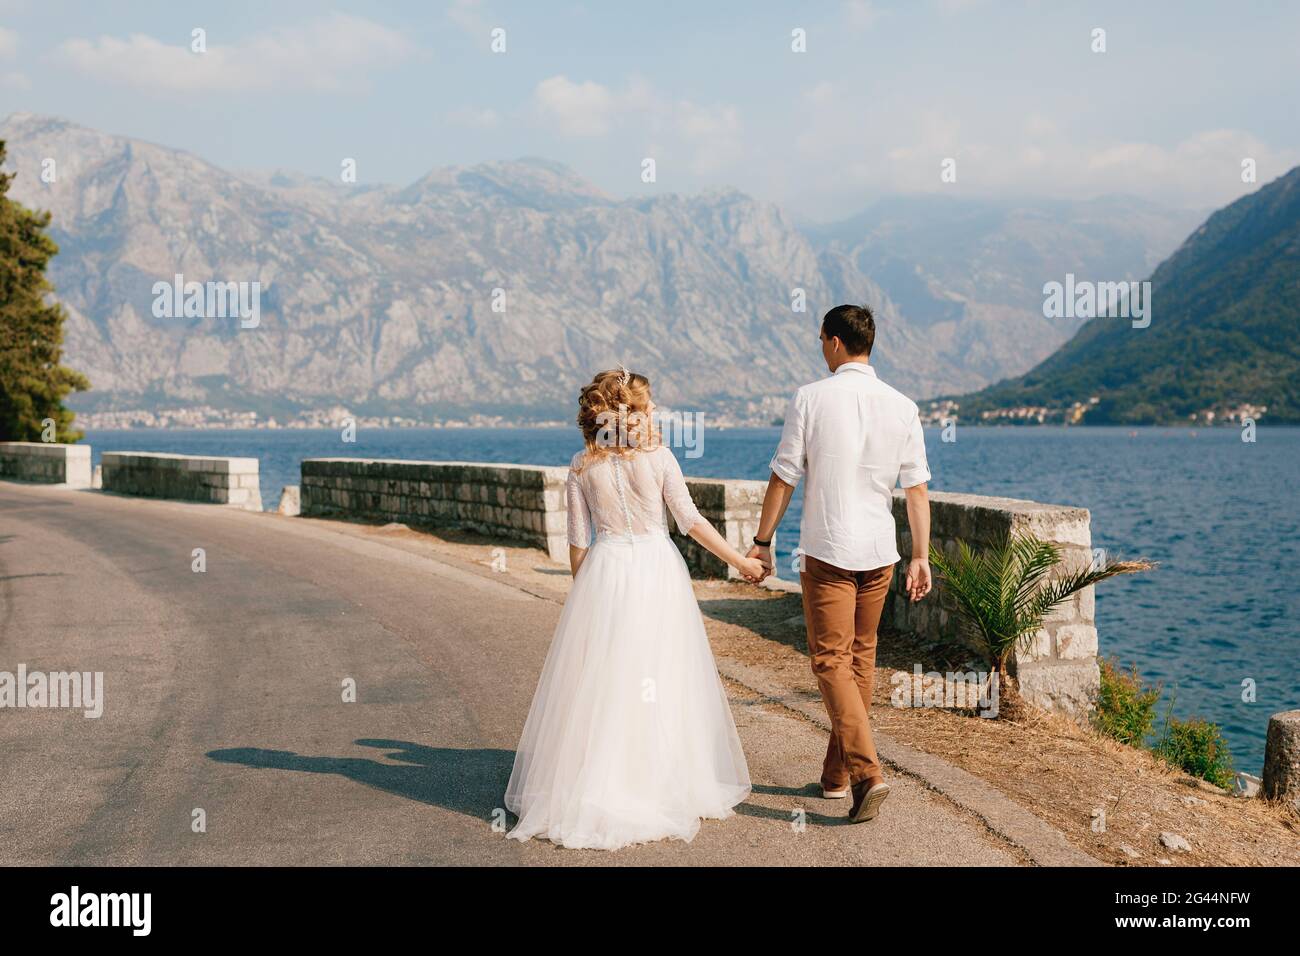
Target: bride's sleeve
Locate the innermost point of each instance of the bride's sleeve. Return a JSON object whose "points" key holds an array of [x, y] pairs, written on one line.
{"points": [[677, 496], [579, 514]]}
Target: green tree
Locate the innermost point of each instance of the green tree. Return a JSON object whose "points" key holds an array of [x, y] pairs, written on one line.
{"points": [[33, 384]]}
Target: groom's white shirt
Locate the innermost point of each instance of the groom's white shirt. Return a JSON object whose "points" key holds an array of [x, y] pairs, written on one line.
{"points": [[853, 437]]}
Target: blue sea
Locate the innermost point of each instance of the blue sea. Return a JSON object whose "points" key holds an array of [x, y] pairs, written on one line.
{"points": [[1220, 610]]}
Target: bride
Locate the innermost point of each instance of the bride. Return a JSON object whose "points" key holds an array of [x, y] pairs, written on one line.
{"points": [[629, 738]]}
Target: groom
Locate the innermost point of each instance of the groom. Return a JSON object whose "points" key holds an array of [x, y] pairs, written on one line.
{"points": [[852, 437]]}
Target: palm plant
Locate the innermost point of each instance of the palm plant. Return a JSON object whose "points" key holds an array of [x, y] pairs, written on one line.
{"points": [[1003, 592]]}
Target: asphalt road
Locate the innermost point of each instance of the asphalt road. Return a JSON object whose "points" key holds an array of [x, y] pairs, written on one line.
{"points": [[223, 693]]}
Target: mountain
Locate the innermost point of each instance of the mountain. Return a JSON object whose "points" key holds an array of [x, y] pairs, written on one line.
{"points": [[381, 297], [1224, 334], [968, 274]]}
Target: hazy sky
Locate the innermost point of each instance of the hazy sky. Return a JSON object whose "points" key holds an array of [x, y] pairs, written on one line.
{"points": [[712, 91]]}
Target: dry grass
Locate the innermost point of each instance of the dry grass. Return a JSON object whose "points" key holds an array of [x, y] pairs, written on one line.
{"points": [[1066, 774]]}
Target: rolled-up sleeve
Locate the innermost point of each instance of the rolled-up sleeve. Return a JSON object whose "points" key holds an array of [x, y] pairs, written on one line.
{"points": [[912, 468], [579, 514], [677, 496], [790, 462]]}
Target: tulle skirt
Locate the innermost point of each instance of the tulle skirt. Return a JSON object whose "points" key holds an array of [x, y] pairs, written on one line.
{"points": [[629, 738]]}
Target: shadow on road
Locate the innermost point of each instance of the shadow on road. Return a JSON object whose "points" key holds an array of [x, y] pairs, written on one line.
{"points": [[472, 782], [787, 816], [805, 797]]}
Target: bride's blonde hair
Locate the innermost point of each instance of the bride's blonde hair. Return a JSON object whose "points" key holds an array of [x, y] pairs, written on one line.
{"points": [[613, 414]]}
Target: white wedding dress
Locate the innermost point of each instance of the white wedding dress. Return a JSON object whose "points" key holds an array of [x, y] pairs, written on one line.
{"points": [[629, 738]]}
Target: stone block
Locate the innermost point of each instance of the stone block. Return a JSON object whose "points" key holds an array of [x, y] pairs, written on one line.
{"points": [[1039, 647], [231, 481], [1281, 779], [1075, 642], [1085, 603], [46, 463], [1067, 687]]}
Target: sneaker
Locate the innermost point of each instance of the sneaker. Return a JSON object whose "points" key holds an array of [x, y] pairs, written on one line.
{"points": [[867, 799], [834, 793]]}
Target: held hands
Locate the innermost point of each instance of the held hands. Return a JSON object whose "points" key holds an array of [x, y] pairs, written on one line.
{"points": [[918, 578], [753, 569], [760, 558]]}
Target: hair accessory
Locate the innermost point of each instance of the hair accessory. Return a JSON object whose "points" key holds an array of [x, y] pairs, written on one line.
{"points": [[626, 376]]}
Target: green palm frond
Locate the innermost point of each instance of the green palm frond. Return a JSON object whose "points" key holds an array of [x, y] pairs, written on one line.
{"points": [[1062, 587], [1036, 559], [1003, 592]]}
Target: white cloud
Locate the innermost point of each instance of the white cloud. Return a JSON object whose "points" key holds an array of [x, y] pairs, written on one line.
{"points": [[8, 42], [577, 109], [860, 14], [15, 81], [823, 92], [324, 54], [713, 133], [1036, 124], [708, 138], [894, 149], [470, 16], [1206, 164], [474, 118]]}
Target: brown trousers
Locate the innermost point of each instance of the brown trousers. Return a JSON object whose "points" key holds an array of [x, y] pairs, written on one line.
{"points": [[842, 611]]}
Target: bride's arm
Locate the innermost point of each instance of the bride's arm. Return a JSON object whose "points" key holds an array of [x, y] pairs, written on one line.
{"points": [[708, 536], [579, 521], [692, 523]]}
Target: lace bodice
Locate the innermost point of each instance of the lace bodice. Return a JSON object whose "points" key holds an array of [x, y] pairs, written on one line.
{"points": [[626, 495]]}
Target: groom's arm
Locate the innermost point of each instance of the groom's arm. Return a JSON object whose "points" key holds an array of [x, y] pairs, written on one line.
{"points": [[775, 501], [787, 466], [913, 473], [918, 522]]}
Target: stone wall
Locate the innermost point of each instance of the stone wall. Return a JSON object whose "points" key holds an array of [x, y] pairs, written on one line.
{"points": [[523, 503], [225, 481], [733, 507], [1059, 671], [46, 462], [518, 502]]}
